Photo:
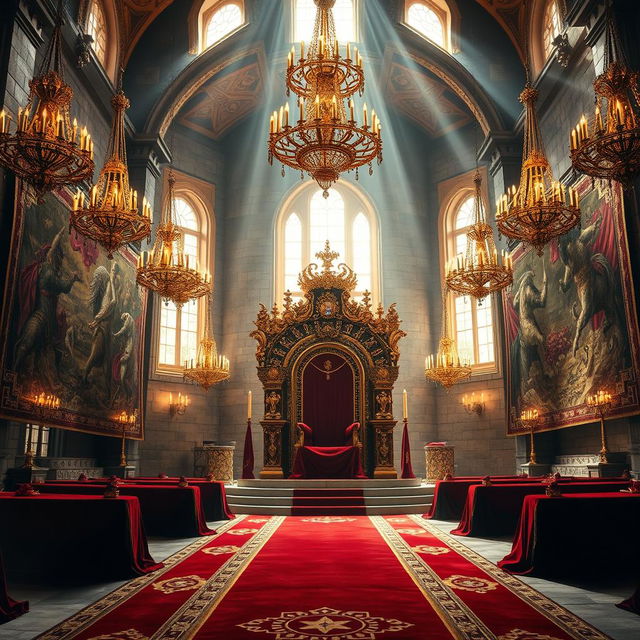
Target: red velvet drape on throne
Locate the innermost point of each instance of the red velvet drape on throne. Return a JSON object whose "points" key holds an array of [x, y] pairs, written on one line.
{"points": [[328, 399]]}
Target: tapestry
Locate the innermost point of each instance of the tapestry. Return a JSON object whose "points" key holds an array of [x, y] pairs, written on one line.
{"points": [[72, 326], [570, 321]]}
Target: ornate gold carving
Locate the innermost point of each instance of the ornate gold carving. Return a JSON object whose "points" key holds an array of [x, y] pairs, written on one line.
{"points": [[272, 401], [220, 462], [344, 278], [327, 305], [384, 400], [439, 462]]}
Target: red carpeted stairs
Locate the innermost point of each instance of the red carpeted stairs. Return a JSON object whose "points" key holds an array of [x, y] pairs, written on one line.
{"points": [[328, 502]]}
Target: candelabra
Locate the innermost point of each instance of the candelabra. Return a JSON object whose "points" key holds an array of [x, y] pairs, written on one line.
{"points": [[540, 209], [47, 150], [472, 404], [178, 407], [609, 146], [42, 404], [446, 367], [111, 217], [126, 420], [600, 402], [209, 367], [324, 142], [480, 271], [529, 419], [165, 269]]}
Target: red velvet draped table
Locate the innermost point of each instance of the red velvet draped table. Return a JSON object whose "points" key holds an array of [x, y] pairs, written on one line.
{"points": [[9, 608], [212, 493], [327, 462], [494, 510], [68, 538], [570, 536], [449, 495], [170, 511]]}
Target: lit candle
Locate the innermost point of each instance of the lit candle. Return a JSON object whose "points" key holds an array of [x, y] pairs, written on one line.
{"points": [[364, 114], [302, 50], [574, 142], [286, 115], [351, 109], [301, 103], [348, 57], [317, 107], [405, 408], [249, 405]]}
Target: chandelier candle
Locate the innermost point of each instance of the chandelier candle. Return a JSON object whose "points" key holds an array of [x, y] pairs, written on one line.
{"points": [[323, 142], [112, 218], [44, 150], [537, 211]]}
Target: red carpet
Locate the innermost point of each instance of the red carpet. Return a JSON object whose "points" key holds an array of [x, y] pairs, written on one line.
{"points": [[312, 578], [328, 502]]}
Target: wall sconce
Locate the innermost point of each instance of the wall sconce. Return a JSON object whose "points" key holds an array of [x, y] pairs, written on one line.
{"points": [[180, 406], [473, 404]]}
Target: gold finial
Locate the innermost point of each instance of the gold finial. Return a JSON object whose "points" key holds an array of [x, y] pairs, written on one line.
{"points": [[327, 257]]}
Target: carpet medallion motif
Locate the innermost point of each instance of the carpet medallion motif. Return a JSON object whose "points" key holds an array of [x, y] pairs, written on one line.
{"points": [[433, 551], [128, 634], [216, 551], [327, 519], [520, 634], [467, 583], [183, 583], [413, 532], [325, 622], [242, 532]]}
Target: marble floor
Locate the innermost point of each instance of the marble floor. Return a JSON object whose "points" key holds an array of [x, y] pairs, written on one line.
{"points": [[48, 606]]}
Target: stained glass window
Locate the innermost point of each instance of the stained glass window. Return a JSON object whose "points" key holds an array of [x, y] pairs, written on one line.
{"points": [[97, 29], [552, 26], [426, 21], [221, 22]]}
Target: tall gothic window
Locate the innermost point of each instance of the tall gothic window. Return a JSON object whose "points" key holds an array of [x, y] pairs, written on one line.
{"points": [[220, 20], [430, 20], [343, 15], [178, 334], [307, 220], [552, 26], [97, 29], [471, 320]]}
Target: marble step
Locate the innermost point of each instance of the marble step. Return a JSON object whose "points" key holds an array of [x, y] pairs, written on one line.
{"points": [[287, 501], [285, 510], [332, 484], [368, 491]]}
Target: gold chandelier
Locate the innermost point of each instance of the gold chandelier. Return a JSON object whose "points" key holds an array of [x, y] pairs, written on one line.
{"points": [[111, 217], [480, 271], [446, 367], [166, 269], [324, 142], [209, 367], [609, 146], [540, 209], [47, 150]]}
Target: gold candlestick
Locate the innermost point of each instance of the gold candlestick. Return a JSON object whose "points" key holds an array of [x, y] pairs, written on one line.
{"points": [[601, 402], [530, 418]]}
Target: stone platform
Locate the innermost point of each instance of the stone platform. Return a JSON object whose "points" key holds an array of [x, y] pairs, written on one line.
{"points": [[381, 496]]}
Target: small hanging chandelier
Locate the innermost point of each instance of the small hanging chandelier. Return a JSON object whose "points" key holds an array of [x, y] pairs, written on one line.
{"points": [[445, 367], [324, 142], [209, 368], [540, 209], [609, 146], [480, 271], [111, 217], [165, 269], [47, 150]]}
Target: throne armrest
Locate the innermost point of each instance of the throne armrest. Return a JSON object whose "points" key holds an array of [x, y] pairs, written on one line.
{"points": [[353, 432], [302, 431]]}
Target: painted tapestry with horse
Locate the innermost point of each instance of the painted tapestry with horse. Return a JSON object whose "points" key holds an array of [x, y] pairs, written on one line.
{"points": [[73, 327], [571, 326]]}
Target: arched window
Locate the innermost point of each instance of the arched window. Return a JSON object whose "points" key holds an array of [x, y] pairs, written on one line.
{"points": [[220, 20], [425, 20], [552, 26], [97, 29], [343, 16], [472, 321], [307, 220]]}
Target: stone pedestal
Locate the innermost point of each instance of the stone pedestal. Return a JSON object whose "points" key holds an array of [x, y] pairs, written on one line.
{"points": [[128, 471], [215, 460], [607, 469], [440, 461], [533, 469], [272, 433], [22, 475], [383, 448]]}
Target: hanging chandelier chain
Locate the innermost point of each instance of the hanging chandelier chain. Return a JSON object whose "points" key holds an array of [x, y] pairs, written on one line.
{"points": [[52, 60]]}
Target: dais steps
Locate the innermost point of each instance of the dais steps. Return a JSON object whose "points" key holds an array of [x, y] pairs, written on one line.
{"points": [[321, 497]]}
